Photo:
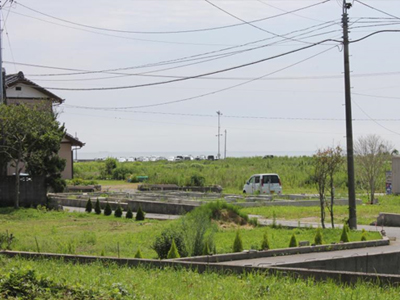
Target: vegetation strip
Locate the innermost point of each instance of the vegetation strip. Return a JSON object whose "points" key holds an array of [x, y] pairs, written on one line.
{"points": [[337, 276]]}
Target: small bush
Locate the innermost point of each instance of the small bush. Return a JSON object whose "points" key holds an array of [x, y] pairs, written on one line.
{"points": [[363, 235], [97, 208], [173, 252], [345, 237], [318, 237], [293, 241], [163, 243], [89, 206], [265, 242], [138, 254], [140, 214], [253, 222], [238, 244], [206, 249], [118, 212], [129, 214], [107, 210], [197, 180]]}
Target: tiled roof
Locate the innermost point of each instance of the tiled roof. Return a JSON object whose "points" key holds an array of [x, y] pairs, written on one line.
{"points": [[14, 79], [74, 141]]}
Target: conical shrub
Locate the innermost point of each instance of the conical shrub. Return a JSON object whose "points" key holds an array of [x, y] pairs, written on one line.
{"points": [[265, 242], [118, 212], [140, 214], [107, 209], [344, 237], [238, 244], [97, 208], [318, 237], [293, 241], [173, 252], [206, 248], [129, 214], [138, 254], [89, 206], [363, 235]]}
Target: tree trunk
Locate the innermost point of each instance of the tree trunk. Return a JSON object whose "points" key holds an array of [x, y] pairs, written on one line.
{"points": [[332, 199], [372, 192], [17, 184], [322, 203]]}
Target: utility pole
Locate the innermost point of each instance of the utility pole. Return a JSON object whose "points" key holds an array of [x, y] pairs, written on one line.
{"points": [[226, 134], [1, 62], [349, 125], [219, 134]]}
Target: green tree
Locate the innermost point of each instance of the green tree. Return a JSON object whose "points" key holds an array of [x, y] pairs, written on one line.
{"points": [[97, 207], [107, 209], [30, 138], [293, 241], [237, 244], [138, 254], [89, 206], [129, 214], [173, 252], [318, 237], [345, 236], [265, 242], [118, 212], [140, 214]]}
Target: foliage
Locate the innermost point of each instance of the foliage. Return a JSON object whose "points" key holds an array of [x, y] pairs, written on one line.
{"points": [[97, 207], [345, 236], [163, 243], [138, 254], [265, 242], [31, 138], [129, 214], [173, 252], [6, 240], [118, 212], [293, 241], [140, 214], [206, 249], [79, 181], [371, 154], [110, 164], [318, 237], [237, 243], [89, 206], [107, 209], [197, 180]]}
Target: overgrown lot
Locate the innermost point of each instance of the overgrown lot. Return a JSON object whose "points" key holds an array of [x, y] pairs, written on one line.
{"points": [[53, 279], [83, 233]]}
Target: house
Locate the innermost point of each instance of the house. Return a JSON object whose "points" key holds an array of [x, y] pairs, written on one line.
{"points": [[20, 90]]}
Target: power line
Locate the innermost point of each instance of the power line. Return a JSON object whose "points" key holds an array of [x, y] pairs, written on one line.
{"points": [[223, 89], [167, 32], [381, 11], [374, 33]]}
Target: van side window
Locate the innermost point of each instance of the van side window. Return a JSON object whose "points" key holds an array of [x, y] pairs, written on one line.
{"points": [[251, 180], [274, 179], [257, 179], [266, 179]]}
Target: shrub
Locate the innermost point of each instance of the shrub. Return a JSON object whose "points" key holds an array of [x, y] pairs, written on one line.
{"points": [[138, 254], [293, 241], [173, 252], [97, 208], [265, 242], [197, 180], [163, 243], [140, 214], [345, 237], [107, 210], [129, 214], [6, 240], [206, 249], [118, 212], [363, 235], [89, 206], [318, 237], [238, 244]]}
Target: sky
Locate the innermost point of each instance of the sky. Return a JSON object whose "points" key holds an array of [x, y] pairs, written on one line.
{"points": [[274, 69]]}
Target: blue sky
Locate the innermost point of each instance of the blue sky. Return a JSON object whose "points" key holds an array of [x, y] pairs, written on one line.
{"points": [[297, 107]]}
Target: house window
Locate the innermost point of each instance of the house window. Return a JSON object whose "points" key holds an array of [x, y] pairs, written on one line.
{"points": [[18, 88]]}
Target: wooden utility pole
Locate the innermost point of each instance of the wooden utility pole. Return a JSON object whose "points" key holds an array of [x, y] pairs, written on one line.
{"points": [[349, 125]]}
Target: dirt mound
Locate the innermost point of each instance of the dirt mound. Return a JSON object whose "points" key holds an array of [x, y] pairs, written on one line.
{"points": [[229, 216]]}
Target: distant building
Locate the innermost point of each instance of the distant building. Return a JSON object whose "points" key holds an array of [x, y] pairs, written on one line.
{"points": [[20, 90]]}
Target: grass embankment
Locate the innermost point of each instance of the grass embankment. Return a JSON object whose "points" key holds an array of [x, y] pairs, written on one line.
{"points": [[97, 281], [366, 213], [90, 234]]}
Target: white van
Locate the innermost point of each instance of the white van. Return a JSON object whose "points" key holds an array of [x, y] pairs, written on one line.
{"points": [[264, 183]]}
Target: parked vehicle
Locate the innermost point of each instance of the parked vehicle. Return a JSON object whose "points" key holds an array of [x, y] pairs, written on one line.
{"points": [[211, 157], [264, 184], [171, 158], [178, 158]]}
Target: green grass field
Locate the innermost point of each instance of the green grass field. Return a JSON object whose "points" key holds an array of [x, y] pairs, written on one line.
{"points": [[61, 280], [83, 233]]}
